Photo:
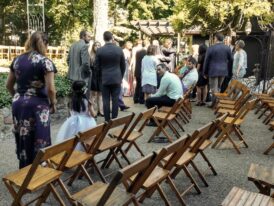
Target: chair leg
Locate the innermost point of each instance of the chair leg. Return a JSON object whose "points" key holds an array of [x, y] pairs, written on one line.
{"points": [[188, 174], [56, 195], [174, 188], [86, 174], [138, 149], [98, 170], [240, 136], [163, 195], [173, 129], [64, 189], [269, 149], [73, 177], [208, 162], [199, 173], [12, 192], [44, 196], [178, 123], [264, 111], [128, 147], [233, 143]]}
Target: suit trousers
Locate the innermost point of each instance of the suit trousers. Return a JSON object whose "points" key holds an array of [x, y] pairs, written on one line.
{"points": [[215, 84], [138, 94], [111, 91], [159, 101]]}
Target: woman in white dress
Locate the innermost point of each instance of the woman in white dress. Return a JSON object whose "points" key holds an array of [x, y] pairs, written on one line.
{"points": [[81, 114], [240, 61]]}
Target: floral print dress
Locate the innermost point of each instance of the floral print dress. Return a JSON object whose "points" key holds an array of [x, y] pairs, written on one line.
{"points": [[30, 105]]}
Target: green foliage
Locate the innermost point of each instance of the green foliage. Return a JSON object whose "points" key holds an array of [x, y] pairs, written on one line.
{"points": [[216, 15], [5, 98], [62, 85]]}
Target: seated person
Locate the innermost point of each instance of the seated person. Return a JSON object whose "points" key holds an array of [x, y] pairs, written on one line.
{"points": [[190, 77], [169, 91], [182, 68]]}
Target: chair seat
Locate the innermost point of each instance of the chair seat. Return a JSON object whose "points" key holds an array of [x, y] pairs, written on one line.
{"points": [[165, 109], [76, 158], [91, 195], [157, 175], [217, 94], [133, 135], [226, 101], [205, 145], [186, 157], [162, 115], [42, 177], [229, 111], [240, 197], [262, 174], [229, 120], [109, 143], [227, 106], [271, 124]]}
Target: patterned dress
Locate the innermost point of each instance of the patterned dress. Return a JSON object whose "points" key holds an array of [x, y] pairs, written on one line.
{"points": [[30, 106]]}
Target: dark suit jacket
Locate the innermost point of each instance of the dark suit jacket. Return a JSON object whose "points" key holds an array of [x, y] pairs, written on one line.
{"points": [[218, 61], [110, 62], [138, 63]]}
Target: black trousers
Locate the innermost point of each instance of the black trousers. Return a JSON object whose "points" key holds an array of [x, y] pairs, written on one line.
{"points": [[111, 91], [138, 94], [159, 101]]}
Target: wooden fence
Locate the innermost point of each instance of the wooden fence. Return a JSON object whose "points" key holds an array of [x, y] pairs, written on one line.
{"points": [[10, 52]]}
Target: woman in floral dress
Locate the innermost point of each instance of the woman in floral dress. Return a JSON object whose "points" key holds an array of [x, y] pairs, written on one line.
{"points": [[33, 99]]}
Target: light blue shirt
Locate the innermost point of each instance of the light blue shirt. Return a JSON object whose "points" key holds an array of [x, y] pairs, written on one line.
{"points": [[240, 59], [171, 86], [149, 75]]}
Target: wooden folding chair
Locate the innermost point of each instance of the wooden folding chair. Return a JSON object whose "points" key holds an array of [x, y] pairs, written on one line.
{"points": [[232, 124], [40, 175], [162, 171], [102, 194], [272, 145], [240, 197], [163, 119], [79, 159], [114, 144], [134, 133], [262, 177], [198, 139]]}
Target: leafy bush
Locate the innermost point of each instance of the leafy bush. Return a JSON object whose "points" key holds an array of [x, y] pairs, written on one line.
{"points": [[62, 85], [5, 98]]}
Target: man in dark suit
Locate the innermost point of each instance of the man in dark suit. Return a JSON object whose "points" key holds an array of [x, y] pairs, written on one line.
{"points": [[110, 62], [217, 64]]}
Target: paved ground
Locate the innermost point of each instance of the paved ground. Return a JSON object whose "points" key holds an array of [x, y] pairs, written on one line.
{"points": [[232, 168]]}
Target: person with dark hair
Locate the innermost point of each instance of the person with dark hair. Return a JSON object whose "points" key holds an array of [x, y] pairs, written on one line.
{"points": [[96, 81], [169, 91], [218, 61], [78, 59], [110, 62], [202, 81], [148, 73], [33, 99], [138, 53], [81, 114], [190, 77]]}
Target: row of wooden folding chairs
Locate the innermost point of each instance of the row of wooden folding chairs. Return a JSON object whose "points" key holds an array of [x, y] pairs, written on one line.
{"points": [[173, 118], [49, 164], [151, 171]]}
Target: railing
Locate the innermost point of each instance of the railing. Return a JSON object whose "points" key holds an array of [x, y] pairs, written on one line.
{"points": [[10, 52]]}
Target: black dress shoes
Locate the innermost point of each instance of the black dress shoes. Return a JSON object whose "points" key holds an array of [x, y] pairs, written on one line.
{"points": [[124, 108]]}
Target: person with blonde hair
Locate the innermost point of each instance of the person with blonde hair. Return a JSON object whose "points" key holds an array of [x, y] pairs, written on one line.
{"points": [[33, 99]]}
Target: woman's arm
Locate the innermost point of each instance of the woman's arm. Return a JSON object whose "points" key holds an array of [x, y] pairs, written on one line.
{"points": [[10, 83], [49, 80]]}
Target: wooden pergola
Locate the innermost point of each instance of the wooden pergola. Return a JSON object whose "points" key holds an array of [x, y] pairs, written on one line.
{"points": [[160, 28]]}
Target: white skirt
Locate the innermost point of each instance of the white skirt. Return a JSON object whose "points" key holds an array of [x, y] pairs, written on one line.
{"points": [[73, 125]]}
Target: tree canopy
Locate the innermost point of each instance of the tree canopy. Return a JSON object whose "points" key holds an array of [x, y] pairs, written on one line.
{"points": [[218, 15]]}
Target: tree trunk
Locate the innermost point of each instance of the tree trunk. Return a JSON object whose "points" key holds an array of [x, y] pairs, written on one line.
{"points": [[100, 16], [2, 25]]}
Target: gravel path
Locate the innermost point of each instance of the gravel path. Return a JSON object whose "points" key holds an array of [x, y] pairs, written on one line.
{"points": [[232, 168]]}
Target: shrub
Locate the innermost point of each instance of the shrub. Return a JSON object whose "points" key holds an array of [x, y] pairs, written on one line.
{"points": [[62, 85]]}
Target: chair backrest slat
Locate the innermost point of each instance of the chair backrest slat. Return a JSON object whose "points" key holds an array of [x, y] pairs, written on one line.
{"points": [[91, 135]]}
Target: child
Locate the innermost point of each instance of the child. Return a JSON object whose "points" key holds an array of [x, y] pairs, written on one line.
{"points": [[81, 112]]}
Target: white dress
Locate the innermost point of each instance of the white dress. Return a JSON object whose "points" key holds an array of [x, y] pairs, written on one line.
{"points": [[77, 122]]}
